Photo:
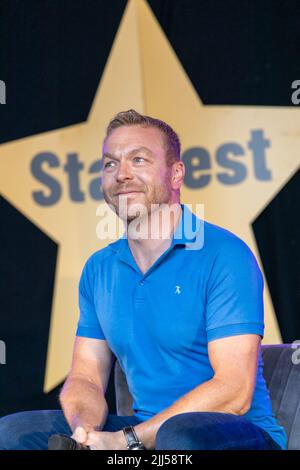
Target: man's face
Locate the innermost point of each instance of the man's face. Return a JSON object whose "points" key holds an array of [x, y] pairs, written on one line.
{"points": [[135, 169]]}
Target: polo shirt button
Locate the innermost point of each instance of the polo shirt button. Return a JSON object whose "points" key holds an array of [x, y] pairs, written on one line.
{"points": [[141, 283]]}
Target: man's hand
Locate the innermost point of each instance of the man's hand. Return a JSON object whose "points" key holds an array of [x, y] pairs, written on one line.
{"points": [[100, 440]]}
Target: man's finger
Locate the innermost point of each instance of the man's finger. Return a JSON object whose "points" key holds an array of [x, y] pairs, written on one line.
{"points": [[80, 435]]}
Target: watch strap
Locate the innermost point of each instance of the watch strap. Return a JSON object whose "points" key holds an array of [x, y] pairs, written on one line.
{"points": [[133, 442]]}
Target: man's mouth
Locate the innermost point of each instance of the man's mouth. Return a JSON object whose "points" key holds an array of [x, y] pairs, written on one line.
{"points": [[127, 192]]}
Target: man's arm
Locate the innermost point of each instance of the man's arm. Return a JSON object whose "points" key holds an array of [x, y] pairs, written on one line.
{"points": [[234, 361], [83, 395]]}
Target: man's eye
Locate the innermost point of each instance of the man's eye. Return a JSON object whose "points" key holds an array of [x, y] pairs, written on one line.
{"points": [[139, 158], [108, 164]]}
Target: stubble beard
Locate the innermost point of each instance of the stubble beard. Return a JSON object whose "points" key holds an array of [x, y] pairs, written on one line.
{"points": [[160, 194]]}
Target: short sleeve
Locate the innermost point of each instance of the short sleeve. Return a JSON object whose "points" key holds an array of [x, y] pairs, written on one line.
{"points": [[234, 293], [88, 323]]}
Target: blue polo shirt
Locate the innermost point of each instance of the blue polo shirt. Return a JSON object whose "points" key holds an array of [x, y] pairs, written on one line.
{"points": [[206, 285]]}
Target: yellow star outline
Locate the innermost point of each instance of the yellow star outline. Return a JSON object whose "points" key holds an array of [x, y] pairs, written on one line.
{"points": [[143, 72]]}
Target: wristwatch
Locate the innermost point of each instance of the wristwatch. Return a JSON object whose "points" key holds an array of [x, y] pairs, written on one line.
{"points": [[133, 443]]}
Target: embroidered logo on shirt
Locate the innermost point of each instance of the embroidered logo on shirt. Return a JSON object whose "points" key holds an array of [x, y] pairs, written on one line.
{"points": [[177, 290]]}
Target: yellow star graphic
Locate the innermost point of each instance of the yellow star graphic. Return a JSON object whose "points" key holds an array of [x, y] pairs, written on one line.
{"points": [[144, 73]]}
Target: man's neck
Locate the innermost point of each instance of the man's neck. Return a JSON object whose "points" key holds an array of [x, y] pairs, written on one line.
{"points": [[158, 229]]}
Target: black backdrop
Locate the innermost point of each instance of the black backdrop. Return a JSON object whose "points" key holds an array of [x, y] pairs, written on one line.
{"points": [[52, 55]]}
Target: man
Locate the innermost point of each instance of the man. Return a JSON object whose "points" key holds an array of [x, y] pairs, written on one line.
{"points": [[184, 319]]}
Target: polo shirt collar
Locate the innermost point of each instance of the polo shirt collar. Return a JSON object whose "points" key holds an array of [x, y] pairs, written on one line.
{"points": [[183, 234]]}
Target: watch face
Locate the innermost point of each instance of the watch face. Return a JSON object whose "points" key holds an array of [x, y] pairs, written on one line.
{"points": [[135, 446]]}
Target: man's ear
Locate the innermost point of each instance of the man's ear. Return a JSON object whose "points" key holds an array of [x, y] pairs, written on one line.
{"points": [[178, 174]]}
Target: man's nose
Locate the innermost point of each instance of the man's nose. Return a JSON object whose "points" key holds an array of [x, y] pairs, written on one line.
{"points": [[124, 172]]}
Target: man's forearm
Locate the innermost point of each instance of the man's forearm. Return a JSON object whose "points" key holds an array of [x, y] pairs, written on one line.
{"points": [[83, 404], [213, 395]]}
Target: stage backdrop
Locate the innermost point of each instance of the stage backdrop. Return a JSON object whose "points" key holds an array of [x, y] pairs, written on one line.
{"points": [[218, 72]]}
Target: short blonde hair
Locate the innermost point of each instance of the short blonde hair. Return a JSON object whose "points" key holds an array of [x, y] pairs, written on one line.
{"points": [[133, 118]]}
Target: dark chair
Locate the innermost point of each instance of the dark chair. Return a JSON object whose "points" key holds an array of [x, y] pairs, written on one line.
{"points": [[282, 375]]}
